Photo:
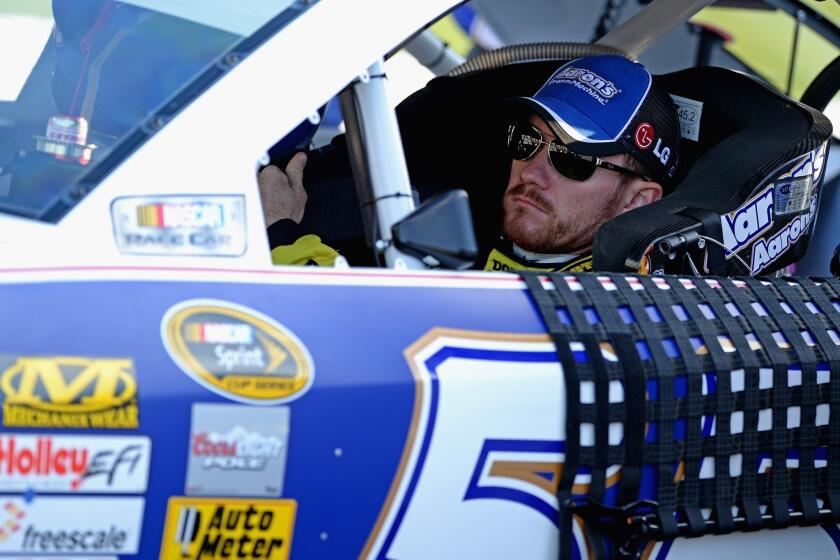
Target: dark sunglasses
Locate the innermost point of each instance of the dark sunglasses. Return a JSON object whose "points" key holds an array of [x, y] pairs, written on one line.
{"points": [[525, 140]]}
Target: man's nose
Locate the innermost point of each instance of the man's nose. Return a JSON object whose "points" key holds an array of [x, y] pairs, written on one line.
{"points": [[538, 170]]}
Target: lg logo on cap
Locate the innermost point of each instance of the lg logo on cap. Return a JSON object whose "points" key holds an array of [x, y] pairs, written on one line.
{"points": [[644, 139], [644, 136]]}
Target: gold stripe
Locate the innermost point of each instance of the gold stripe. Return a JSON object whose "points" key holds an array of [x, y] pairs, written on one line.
{"points": [[584, 532], [526, 471], [192, 332], [680, 474]]}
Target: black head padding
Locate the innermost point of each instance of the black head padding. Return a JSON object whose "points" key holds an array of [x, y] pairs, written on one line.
{"points": [[747, 202]]}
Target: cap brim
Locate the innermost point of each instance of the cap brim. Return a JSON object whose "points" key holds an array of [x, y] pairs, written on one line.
{"points": [[585, 137]]}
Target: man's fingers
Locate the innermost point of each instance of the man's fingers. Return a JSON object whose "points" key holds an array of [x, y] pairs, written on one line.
{"points": [[272, 177], [294, 170]]}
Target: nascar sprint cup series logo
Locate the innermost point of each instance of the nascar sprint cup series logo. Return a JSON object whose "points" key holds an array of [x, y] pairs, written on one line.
{"points": [[237, 352], [68, 392]]}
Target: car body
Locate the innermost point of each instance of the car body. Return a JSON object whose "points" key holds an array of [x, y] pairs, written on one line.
{"points": [[219, 405]]}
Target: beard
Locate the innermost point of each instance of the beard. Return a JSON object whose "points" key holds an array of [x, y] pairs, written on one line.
{"points": [[569, 234]]}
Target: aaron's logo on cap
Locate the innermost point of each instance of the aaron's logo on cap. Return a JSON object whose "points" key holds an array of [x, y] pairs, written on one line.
{"points": [[603, 86], [237, 352]]}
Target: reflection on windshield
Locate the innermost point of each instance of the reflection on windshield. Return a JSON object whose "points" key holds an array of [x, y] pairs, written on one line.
{"points": [[241, 18], [84, 74], [22, 38]]}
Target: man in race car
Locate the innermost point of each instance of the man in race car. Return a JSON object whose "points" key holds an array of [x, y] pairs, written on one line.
{"points": [[599, 138]]}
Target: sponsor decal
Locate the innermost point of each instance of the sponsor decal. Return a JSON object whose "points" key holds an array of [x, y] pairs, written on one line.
{"points": [[237, 450], [237, 352], [70, 525], [68, 392], [11, 515], [818, 162], [83, 464], [795, 188], [180, 225], [689, 113], [596, 86], [644, 136], [766, 251], [181, 215], [207, 528], [662, 152], [792, 195], [748, 222], [74, 557]]}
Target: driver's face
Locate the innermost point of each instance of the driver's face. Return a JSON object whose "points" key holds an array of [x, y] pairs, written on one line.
{"points": [[545, 212]]}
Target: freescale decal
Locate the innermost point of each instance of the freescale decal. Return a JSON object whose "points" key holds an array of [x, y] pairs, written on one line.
{"points": [[70, 526]]}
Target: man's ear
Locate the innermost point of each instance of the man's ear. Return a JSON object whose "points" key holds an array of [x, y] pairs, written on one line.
{"points": [[639, 193]]}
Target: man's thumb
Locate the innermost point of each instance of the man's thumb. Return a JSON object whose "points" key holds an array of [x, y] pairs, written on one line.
{"points": [[295, 168]]}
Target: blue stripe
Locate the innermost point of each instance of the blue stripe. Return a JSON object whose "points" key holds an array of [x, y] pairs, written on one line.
{"points": [[834, 533]]}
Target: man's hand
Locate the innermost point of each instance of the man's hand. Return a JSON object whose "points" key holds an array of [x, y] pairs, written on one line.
{"points": [[282, 194]]}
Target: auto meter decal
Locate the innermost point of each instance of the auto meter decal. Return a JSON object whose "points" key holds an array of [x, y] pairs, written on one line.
{"points": [[228, 528], [68, 392], [237, 352], [180, 225]]}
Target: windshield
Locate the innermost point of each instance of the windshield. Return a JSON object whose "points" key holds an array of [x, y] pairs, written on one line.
{"points": [[81, 76]]}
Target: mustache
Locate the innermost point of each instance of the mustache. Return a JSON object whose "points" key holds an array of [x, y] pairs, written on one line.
{"points": [[532, 194]]}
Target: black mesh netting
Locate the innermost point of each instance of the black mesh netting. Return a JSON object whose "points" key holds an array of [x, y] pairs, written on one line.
{"points": [[711, 398]]}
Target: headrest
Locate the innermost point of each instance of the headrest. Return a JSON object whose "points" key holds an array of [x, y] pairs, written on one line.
{"points": [[755, 160]]}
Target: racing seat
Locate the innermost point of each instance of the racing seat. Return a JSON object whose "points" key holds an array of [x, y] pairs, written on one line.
{"points": [[749, 198], [747, 201]]}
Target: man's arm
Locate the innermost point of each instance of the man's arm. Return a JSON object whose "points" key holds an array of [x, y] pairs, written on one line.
{"points": [[284, 202]]}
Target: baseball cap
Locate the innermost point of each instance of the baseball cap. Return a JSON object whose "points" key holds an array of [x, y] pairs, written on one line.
{"points": [[604, 105]]}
